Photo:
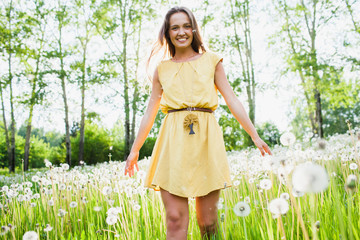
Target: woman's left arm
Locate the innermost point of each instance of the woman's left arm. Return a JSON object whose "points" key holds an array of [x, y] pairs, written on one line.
{"points": [[237, 109]]}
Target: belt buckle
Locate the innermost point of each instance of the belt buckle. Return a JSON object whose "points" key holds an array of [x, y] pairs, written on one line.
{"points": [[190, 109]]}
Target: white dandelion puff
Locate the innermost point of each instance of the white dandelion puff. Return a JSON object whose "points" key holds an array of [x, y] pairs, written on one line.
{"points": [[97, 209], [35, 178], [297, 193], [48, 228], [285, 196], [278, 206], [111, 219], [219, 205], [113, 211], [65, 166], [51, 202], [265, 184], [310, 177], [107, 190], [73, 204], [33, 204], [287, 139], [61, 212], [241, 209], [30, 235], [353, 166], [236, 183]]}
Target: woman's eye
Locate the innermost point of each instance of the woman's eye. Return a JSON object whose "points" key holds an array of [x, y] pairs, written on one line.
{"points": [[174, 28]]}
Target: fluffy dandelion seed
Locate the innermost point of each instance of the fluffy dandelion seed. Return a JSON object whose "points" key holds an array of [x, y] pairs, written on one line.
{"points": [[285, 196], [278, 206], [111, 219], [287, 139], [265, 184], [48, 228], [107, 190], [97, 209], [31, 235], [310, 177], [61, 213], [353, 166], [236, 183], [35, 178], [241, 209], [65, 166], [73, 204], [136, 207], [51, 202], [351, 182]]}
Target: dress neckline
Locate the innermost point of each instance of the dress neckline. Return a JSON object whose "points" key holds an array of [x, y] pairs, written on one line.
{"points": [[193, 60]]}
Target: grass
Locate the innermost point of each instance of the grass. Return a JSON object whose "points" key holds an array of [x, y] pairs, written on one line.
{"points": [[330, 214]]}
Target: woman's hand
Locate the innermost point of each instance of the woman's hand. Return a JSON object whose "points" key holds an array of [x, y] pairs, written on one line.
{"points": [[262, 146], [130, 162]]}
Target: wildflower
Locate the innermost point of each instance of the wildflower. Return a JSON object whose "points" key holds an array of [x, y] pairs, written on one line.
{"points": [[73, 204], [36, 196], [47, 163], [247, 199], [5, 188], [219, 205], [236, 183], [136, 207], [278, 206], [51, 202], [111, 219], [81, 163], [265, 184], [285, 196], [113, 211], [287, 139], [62, 187], [30, 235], [65, 166], [317, 224], [351, 182], [84, 200], [241, 209], [5, 229], [61, 213], [310, 177], [353, 166], [35, 178], [97, 209], [33, 204], [107, 190], [48, 228]]}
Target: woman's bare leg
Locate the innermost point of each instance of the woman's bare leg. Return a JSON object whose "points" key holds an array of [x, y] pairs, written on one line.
{"points": [[177, 215], [206, 214]]}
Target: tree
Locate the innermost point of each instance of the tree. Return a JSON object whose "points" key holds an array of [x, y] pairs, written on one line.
{"points": [[301, 26], [125, 17], [35, 74]]}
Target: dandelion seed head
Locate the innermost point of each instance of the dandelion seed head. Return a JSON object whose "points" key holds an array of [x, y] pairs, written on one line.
{"points": [[106, 190], [297, 193], [73, 204], [287, 139], [353, 166], [97, 209], [65, 166], [48, 228], [278, 206], [285, 196], [35, 178], [310, 177], [241, 209], [111, 219], [265, 184], [30, 235]]}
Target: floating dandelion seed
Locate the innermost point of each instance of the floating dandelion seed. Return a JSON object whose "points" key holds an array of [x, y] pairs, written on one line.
{"points": [[278, 206], [30, 235], [265, 184], [48, 228], [241, 209], [111, 219], [73, 204], [353, 166], [287, 139], [310, 177]]}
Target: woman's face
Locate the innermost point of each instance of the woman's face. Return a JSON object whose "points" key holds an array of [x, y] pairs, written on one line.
{"points": [[180, 30]]}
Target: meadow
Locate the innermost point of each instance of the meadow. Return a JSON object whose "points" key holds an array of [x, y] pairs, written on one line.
{"points": [[305, 190]]}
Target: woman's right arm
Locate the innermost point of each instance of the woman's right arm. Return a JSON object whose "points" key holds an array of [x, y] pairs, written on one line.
{"points": [[145, 125]]}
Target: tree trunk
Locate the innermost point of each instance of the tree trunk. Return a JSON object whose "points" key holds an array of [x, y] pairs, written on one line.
{"points": [[82, 121], [8, 149]]}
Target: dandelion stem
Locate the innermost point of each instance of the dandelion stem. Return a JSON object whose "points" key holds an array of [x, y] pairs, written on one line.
{"points": [[245, 228]]}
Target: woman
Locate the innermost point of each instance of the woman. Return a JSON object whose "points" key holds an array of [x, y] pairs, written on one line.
{"points": [[189, 158]]}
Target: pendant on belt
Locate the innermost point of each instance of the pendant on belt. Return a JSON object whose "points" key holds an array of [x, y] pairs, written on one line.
{"points": [[189, 121]]}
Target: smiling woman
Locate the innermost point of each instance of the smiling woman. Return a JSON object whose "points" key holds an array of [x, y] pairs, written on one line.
{"points": [[189, 157]]}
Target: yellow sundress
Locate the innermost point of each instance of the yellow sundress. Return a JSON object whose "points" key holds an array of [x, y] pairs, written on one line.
{"points": [[189, 165]]}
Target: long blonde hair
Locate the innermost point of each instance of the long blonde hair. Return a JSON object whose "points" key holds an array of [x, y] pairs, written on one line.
{"points": [[164, 38]]}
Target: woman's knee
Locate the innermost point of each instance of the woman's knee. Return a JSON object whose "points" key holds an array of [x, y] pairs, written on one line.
{"points": [[176, 220]]}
